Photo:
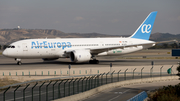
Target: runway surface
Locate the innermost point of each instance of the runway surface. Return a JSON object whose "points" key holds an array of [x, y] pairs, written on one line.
{"points": [[10, 64], [127, 92], [119, 62]]}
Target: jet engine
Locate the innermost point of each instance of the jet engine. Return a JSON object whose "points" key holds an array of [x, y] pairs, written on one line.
{"points": [[78, 56]]}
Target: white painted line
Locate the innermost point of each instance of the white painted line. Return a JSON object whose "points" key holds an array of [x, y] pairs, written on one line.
{"points": [[114, 98], [126, 91], [119, 95]]}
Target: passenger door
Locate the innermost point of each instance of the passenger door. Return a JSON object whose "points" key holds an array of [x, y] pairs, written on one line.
{"points": [[25, 48]]}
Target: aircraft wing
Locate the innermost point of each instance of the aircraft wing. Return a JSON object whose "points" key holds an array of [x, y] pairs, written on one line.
{"points": [[99, 50]]}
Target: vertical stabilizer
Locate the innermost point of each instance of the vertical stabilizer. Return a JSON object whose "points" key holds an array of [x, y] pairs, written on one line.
{"points": [[144, 30]]}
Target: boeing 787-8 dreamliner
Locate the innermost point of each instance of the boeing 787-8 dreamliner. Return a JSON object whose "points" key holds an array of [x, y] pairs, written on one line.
{"points": [[82, 49]]}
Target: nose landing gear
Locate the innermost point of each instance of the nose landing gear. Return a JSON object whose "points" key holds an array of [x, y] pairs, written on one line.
{"points": [[18, 61]]}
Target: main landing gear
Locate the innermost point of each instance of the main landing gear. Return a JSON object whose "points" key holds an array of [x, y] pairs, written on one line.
{"points": [[18, 61], [94, 61]]}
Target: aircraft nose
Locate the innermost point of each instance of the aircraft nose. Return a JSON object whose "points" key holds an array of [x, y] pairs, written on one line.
{"points": [[5, 52]]}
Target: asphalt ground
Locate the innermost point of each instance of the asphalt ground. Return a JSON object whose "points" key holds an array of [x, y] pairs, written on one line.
{"points": [[46, 92], [127, 92], [10, 63], [124, 61]]}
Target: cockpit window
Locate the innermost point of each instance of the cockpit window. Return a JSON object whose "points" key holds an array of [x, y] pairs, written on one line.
{"points": [[8, 46], [11, 46]]}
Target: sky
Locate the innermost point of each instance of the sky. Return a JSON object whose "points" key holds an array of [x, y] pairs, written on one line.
{"points": [[112, 17]]}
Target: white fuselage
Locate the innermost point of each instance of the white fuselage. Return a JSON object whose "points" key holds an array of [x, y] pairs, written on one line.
{"points": [[57, 48]]}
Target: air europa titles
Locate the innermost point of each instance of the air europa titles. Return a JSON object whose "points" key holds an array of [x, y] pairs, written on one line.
{"points": [[46, 44]]}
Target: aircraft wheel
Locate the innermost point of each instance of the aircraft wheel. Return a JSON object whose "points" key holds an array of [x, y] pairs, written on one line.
{"points": [[94, 61], [90, 61], [19, 63], [97, 61]]}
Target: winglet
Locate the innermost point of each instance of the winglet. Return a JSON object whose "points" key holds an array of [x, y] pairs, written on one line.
{"points": [[144, 30]]}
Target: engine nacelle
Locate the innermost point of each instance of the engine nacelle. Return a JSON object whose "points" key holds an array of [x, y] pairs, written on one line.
{"points": [[80, 56]]}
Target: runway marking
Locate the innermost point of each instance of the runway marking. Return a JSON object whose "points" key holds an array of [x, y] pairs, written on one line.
{"points": [[114, 98], [121, 92], [119, 95]]}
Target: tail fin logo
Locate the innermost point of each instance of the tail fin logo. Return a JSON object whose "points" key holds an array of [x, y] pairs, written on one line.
{"points": [[146, 28]]}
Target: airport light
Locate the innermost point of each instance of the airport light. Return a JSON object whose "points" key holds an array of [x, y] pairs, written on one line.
{"points": [[151, 70], [110, 67], [54, 73], [69, 68]]}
